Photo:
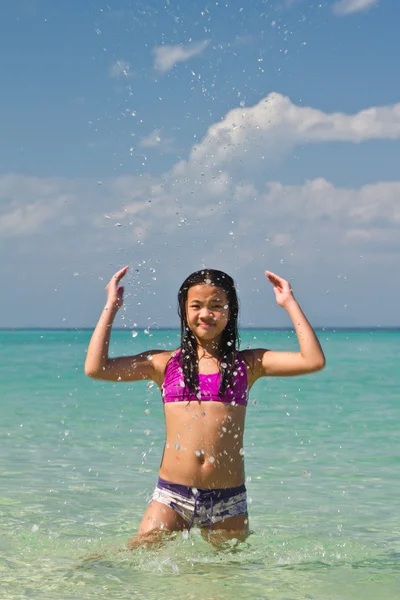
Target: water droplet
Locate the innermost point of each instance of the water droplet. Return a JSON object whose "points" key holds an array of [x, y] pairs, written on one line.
{"points": [[174, 567], [134, 334], [241, 451], [211, 459]]}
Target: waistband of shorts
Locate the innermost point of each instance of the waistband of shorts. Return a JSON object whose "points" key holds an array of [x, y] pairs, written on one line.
{"points": [[190, 491]]}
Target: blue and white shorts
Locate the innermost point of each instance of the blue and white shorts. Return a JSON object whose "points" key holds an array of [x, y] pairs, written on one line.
{"points": [[201, 507]]}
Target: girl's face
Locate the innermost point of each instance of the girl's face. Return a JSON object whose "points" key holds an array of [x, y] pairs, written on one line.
{"points": [[207, 311]]}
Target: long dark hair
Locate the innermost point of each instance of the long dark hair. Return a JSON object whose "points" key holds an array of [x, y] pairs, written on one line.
{"points": [[229, 343]]}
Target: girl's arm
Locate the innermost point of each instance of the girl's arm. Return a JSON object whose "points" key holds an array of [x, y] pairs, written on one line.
{"points": [[124, 368], [310, 357]]}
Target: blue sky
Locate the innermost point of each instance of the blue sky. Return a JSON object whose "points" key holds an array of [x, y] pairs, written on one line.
{"points": [[171, 136]]}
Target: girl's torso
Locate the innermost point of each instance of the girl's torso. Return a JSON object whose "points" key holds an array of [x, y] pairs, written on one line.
{"points": [[204, 433]]}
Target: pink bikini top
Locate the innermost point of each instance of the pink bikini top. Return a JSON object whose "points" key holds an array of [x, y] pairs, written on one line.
{"points": [[174, 385]]}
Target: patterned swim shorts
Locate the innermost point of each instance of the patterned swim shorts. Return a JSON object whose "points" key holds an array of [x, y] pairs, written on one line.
{"points": [[201, 507]]}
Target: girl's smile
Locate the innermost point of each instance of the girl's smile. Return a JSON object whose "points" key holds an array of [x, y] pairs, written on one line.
{"points": [[207, 310]]}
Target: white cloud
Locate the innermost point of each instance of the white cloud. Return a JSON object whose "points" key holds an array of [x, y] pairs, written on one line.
{"points": [[347, 7], [275, 125], [157, 139], [29, 203], [208, 185], [166, 57], [120, 68], [206, 211], [164, 208], [242, 214], [311, 231]]}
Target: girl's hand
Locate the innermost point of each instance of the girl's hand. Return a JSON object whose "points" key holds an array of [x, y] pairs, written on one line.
{"points": [[115, 293], [282, 289]]}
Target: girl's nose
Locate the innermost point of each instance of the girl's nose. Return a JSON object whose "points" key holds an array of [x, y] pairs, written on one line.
{"points": [[205, 313]]}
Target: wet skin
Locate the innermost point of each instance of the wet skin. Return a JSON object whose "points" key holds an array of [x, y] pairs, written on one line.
{"points": [[204, 440], [204, 444]]}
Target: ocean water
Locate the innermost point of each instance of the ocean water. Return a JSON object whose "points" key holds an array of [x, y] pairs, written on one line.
{"points": [[79, 459]]}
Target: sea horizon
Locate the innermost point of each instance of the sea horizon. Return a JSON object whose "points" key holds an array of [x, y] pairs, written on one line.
{"points": [[331, 328]]}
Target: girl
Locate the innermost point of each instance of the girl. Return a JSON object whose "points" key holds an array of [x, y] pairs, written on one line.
{"points": [[204, 386]]}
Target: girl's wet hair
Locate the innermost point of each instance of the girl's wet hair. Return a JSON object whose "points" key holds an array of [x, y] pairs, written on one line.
{"points": [[229, 343]]}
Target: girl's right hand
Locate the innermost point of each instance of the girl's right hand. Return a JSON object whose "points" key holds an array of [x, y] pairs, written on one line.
{"points": [[115, 292]]}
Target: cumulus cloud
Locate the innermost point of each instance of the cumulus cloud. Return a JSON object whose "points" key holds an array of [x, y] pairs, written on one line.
{"points": [[166, 57], [315, 208], [208, 186], [347, 7], [30, 203], [204, 210], [276, 125], [156, 210], [120, 68], [178, 224], [157, 139]]}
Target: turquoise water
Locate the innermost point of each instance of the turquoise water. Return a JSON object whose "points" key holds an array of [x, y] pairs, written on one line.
{"points": [[79, 458]]}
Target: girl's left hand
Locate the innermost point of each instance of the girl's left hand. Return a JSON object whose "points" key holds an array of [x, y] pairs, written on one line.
{"points": [[282, 289]]}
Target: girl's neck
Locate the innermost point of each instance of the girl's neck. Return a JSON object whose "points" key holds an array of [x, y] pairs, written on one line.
{"points": [[208, 350]]}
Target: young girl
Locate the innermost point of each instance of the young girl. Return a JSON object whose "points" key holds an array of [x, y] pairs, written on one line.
{"points": [[204, 386]]}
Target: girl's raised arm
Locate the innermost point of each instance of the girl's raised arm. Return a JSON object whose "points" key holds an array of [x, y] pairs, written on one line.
{"points": [[125, 368], [310, 357]]}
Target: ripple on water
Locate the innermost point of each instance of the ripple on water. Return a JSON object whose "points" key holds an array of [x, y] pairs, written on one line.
{"points": [[266, 566]]}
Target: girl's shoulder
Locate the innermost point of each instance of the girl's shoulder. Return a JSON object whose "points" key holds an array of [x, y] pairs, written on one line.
{"points": [[252, 358], [249, 356], [160, 360]]}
